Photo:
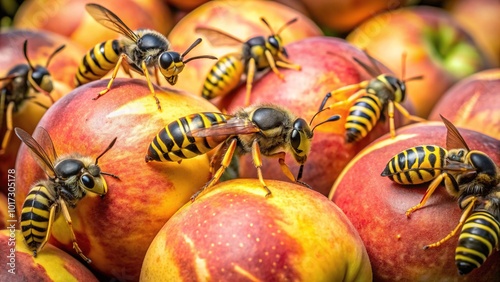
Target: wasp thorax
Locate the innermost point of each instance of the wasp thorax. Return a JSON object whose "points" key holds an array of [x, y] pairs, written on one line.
{"points": [[151, 41], [68, 168], [300, 140]]}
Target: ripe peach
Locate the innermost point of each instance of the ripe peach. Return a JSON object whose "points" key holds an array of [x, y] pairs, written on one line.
{"points": [[51, 265], [116, 230], [436, 46], [69, 18], [376, 206], [473, 103], [233, 232], [327, 64], [238, 18]]}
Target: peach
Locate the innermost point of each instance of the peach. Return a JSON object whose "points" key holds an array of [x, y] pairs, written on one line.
{"points": [[51, 265], [435, 44], [115, 231], [233, 232], [327, 64], [473, 103], [238, 18], [376, 206]]}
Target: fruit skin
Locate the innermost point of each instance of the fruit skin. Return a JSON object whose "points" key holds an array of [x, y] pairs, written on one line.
{"points": [[436, 47], [473, 103], [233, 232], [116, 230], [52, 264], [343, 16], [62, 69], [327, 64], [81, 28], [480, 19], [376, 206], [238, 18]]}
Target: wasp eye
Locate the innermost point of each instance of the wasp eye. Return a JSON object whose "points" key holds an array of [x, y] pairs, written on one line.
{"points": [[168, 58], [295, 140], [88, 181], [274, 42]]}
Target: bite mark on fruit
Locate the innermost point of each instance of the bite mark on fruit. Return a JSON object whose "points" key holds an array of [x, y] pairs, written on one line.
{"points": [[201, 268]]}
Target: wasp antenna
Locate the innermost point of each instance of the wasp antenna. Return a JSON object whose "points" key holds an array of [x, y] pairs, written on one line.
{"points": [[107, 149], [403, 66], [414, 78], [330, 119], [53, 54], [195, 43], [316, 114], [287, 24], [200, 57], [25, 51], [268, 25]]}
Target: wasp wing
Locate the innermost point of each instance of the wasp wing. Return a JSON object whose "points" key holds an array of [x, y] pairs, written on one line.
{"points": [[10, 76], [373, 71], [110, 20], [43, 150], [219, 38], [232, 126], [454, 166], [387, 172], [454, 139]]}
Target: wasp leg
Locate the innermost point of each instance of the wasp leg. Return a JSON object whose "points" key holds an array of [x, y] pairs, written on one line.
{"points": [[226, 161], [150, 85], [113, 76], [449, 183], [9, 124], [126, 68], [52, 215], [257, 161], [461, 222], [272, 64], [250, 75], [347, 102], [404, 112], [407, 115], [157, 76], [283, 62], [66, 215]]}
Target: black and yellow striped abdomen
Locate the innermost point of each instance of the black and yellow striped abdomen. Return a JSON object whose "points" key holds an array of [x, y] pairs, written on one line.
{"points": [[479, 237], [416, 165], [174, 142], [98, 61], [224, 76], [35, 217], [363, 116]]}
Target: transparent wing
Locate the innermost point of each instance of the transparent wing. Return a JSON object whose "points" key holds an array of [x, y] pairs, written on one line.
{"points": [[454, 139], [373, 71], [233, 126], [42, 150], [110, 20], [455, 166], [219, 38]]}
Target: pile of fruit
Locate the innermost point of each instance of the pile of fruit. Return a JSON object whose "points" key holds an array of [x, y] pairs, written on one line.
{"points": [[303, 140]]}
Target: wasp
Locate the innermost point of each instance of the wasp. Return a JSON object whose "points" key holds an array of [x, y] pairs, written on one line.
{"points": [[370, 101], [141, 51], [262, 130], [257, 54], [70, 177], [469, 175], [21, 81]]}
